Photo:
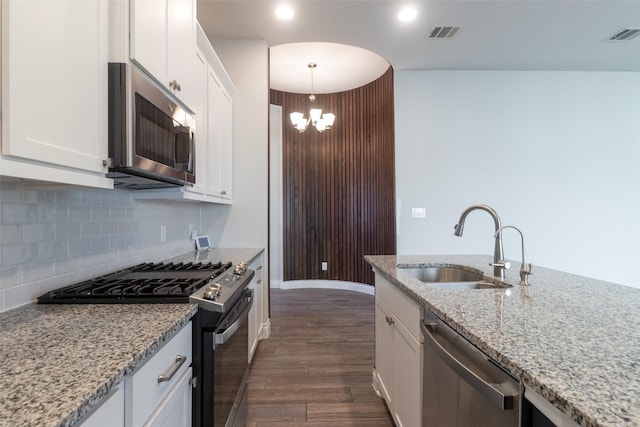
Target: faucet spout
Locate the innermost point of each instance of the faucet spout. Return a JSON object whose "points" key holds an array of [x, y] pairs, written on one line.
{"points": [[498, 253]]}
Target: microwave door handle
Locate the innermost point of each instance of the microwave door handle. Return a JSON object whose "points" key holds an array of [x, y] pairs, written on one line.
{"points": [[179, 133], [228, 333]]}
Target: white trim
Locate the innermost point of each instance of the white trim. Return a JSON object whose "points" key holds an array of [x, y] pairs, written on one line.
{"points": [[324, 284], [265, 330]]}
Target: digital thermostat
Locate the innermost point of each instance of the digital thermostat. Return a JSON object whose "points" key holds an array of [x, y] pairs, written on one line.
{"points": [[202, 243]]}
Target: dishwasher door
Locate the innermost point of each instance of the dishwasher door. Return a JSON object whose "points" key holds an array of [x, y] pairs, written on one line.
{"points": [[461, 385]]}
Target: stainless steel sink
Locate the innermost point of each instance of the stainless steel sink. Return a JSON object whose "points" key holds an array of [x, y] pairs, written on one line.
{"points": [[443, 274], [458, 286], [451, 278]]}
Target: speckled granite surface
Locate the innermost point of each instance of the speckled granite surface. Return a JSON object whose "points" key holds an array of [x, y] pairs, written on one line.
{"points": [[574, 340], [59, 361]]}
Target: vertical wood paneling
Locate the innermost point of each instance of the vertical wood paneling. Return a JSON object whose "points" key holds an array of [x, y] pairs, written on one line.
{"points": [[339, 185]]}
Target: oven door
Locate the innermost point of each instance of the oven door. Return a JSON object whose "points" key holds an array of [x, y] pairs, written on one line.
{"points": [[230, 344]]}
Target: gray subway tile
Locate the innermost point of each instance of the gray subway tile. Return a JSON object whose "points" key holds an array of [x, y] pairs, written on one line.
{"points": [[37, 232], [90, 229], [53, 249], [18, 213], [67, 230]]}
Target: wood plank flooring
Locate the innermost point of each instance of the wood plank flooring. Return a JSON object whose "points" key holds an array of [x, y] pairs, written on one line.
{"points": [[316, 368]]}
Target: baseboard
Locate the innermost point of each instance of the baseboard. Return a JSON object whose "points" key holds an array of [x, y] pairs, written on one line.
{"points": [[324, 284]]}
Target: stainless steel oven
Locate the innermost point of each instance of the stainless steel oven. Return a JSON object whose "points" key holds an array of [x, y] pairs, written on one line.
{"points": [[225, 365]]}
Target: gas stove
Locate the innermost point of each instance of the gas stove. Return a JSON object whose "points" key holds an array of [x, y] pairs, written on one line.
{"points": [[214, 285]]}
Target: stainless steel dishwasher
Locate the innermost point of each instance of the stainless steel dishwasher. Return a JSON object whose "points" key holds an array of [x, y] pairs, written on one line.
{"points": [[461, 385]]}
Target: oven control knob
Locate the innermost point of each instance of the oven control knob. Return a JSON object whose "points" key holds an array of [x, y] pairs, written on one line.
{"points": [[240, 269], [211, 292]]}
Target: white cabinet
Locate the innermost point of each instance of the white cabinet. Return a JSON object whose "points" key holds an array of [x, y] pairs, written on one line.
{"points": [[399, 350], [110, 413], [256, 315], [175, 409], [163, 41], [157, 390], [54, 91], [214, 134], [158, 394]]}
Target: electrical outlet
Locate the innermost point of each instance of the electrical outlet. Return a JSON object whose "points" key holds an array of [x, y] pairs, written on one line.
{"points": [[324, 266], [418, 212], [163, 233]]}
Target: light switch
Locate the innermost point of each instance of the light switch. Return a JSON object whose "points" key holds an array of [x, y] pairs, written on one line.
{"points": [[418, 212]]}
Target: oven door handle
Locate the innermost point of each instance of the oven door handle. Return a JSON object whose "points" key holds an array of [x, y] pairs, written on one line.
{"points": [[228, 333]]}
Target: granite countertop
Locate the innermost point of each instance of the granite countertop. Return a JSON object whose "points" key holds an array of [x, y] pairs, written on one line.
{"points": [[571, 339], [59, 361]]}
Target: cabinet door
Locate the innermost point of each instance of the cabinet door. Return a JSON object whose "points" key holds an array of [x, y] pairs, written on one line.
{"points": [[175, 409], [150, 37], [384, 352], [110, 413], [255, 315], [226, 145], [203, 164], [54, 85], [181, 45], [163, 41], [214, 132], [407, 377]]}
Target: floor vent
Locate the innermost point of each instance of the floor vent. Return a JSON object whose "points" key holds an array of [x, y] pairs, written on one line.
{"points": [[625, 34], [442, 32]]}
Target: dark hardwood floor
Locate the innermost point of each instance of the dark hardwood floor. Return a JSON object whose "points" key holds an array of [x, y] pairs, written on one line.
{"points": [[316, 368]]}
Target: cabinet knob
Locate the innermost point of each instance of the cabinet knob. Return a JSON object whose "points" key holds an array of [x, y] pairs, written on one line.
{"points": [[223, 192], [389, 320]]}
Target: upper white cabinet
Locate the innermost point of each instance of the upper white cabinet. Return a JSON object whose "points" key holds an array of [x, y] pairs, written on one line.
{"points": [[212, 104], [54, 91], [163, 42]]}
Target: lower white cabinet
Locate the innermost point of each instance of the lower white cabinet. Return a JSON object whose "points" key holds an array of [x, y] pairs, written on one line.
{"points": [[110, 413], [175, 409], [399, 350], [157, 394], [257, 309], [156, 383]]}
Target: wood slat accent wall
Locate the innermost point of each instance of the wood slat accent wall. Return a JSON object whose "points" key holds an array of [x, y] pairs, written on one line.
{"points": [[339, 185]]}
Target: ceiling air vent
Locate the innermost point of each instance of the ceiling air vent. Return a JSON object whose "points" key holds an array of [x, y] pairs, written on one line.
{"points": [[624, 35], [442, 32]]}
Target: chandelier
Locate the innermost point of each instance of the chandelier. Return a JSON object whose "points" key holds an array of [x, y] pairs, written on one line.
{"points": [[316, 118]]}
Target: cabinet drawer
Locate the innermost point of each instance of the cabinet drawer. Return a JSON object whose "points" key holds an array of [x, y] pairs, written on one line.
{"points": [[403, 308], [146, 390]]}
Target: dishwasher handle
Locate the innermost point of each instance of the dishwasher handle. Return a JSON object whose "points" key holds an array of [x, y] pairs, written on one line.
{"points": [[495, 396]]}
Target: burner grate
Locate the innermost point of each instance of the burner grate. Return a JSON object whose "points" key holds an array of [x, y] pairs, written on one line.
{"points": [[143, 283]]}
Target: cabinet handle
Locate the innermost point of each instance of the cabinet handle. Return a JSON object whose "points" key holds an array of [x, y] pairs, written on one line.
{"points": [[175, 85], [176, 365], [223, 192], [389, 320], [259, 281], [259, 268]]}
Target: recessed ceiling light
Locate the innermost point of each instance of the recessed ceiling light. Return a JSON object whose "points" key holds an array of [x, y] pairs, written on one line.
{"points": [[407, 14], [284, 12]]}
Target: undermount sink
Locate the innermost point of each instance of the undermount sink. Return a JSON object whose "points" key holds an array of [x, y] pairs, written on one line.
{"points": [[450, 278], [443, 274]]}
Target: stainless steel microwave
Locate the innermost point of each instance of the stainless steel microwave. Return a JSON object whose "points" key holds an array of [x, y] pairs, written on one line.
{"points": [[151, 137]]}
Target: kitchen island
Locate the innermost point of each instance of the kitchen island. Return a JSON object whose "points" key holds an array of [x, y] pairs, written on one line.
{"points": [[573, 340], [60, 361]]}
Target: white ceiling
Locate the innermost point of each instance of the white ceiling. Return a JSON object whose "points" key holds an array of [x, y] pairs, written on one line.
{"points": [[537, 35]]}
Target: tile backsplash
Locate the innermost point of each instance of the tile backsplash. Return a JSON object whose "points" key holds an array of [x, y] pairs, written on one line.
{"points": [[52, 238]]}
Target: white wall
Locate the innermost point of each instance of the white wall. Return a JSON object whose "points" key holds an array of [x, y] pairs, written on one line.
{"points": [[557, 154], [275, 194], [245, 223]]}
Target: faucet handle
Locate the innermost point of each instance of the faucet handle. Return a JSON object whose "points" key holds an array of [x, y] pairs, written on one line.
{"points": [[525, 272], [502, 264]]}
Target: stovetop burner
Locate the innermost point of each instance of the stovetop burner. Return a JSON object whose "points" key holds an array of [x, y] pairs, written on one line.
{"points": [[142, 283]]}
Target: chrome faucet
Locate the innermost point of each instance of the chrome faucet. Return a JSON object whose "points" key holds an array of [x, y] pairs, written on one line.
{"points": [[525, 269], [499, 264]]}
